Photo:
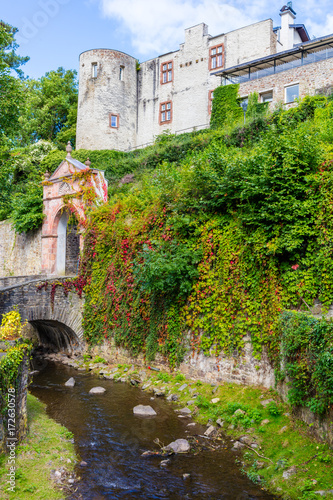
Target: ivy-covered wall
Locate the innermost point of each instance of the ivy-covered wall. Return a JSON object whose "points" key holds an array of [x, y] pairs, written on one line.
{"points": [[201, 251]]}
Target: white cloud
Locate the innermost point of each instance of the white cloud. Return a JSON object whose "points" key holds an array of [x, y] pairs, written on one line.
{"points": [[155, 26]]}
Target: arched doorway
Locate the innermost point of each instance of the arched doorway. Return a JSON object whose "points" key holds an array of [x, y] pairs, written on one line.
{"points": [[68, 246]]}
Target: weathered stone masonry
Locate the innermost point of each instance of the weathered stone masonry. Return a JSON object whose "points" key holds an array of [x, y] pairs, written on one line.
{"points": [[121, 106]]}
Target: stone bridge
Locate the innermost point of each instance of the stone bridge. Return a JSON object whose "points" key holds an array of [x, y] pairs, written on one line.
{"points": [[58, 322]]}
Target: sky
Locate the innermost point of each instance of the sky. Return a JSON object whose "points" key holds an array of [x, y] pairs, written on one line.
{"points": [[53, 33]]}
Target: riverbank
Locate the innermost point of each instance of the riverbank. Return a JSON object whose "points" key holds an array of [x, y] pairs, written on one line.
{"points": [[274, 449], [44, 460]]}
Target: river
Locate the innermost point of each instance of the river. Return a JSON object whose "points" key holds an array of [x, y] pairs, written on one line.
{"points": [[111, 440]]}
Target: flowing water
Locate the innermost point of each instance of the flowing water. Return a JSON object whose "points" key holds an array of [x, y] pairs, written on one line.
{"points": [[111, 440]]}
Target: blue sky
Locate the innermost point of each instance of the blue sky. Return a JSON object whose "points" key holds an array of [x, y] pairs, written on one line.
{"points": [[54, 32]]}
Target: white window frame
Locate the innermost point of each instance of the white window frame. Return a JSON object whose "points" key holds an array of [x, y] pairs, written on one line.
{"points": [[296, 84], [266, 92], [114, 120]]}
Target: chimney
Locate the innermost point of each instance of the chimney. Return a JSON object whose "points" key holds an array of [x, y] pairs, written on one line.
{"points": [[288, 16]]}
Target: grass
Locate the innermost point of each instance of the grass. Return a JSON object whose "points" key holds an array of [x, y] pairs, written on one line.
{"points": [[283, 441], [46, 448]]}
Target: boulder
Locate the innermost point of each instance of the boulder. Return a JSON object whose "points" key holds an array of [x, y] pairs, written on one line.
{"points": [[159, 391], [70, 382], [266, 402], [144, 411], [184, 411], [178, 446], [290, 472], [237, 446], [97, 390], [173, 397], [239, 412], [245, 439], [182, 387], [210, 431]]}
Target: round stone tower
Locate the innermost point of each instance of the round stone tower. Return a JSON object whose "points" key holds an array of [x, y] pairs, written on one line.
{"points": [[107, 105]]}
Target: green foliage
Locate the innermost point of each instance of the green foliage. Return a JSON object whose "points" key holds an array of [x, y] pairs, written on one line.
{"points": [[214, 237], [12, 96], [255, 109], [10, 366], [307, 353], [168, 267], [225, 106], [164, 377], [8, 47], [21, 197], [98, 359], [51, 108], [273, 409]]}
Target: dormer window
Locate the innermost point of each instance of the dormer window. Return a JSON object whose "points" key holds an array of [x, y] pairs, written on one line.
{"points": [[94, 70]]}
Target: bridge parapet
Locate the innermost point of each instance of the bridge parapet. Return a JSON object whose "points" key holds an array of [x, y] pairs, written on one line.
{"points": [[57, 320], [10, 281]]}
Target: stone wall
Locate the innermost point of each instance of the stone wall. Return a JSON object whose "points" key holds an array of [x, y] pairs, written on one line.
{"points": [[21, 422], [105, 94], [310, 77], [243, 369], [137, 96], [20, 254]]}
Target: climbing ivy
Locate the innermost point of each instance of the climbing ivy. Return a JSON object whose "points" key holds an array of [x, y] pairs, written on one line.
{"points": [[226, 106], [208, 251], [307, 355], [11, 363]]}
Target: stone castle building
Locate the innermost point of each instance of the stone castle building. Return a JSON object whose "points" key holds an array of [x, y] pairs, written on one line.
{"points": [[123, 105]]}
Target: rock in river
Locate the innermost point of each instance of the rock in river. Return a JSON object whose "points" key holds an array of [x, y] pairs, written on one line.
{"points": [[178, 446], [70, 382], [144, 411], [97, 390]]}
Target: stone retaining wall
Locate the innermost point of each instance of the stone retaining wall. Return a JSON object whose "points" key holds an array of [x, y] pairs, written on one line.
{"points": [[20, 254], [21, 420], [244, 369]]}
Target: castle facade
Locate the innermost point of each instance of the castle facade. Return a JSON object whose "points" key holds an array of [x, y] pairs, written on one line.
{"points": [[123, 105]]}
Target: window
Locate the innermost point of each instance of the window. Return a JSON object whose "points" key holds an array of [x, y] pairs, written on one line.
{"points": [[266, 96], [216, 57], [121, 73], [165, 112], [114, 120], [94, 70], [292, 93], [210, 100], [167, 72]]}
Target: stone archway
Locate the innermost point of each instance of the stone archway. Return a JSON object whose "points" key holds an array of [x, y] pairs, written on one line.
{"points": [[68, 244], [68, 180]]}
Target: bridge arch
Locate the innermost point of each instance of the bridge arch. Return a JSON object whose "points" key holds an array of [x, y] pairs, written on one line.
{"points": [[57, 321]]}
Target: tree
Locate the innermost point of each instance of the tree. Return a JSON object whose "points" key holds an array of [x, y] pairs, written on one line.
{"points": [[8, 46], [51, 108], [11, 89]]}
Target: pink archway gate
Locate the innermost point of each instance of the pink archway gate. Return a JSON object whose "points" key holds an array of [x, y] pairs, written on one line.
{"points": [[61, 241]]}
